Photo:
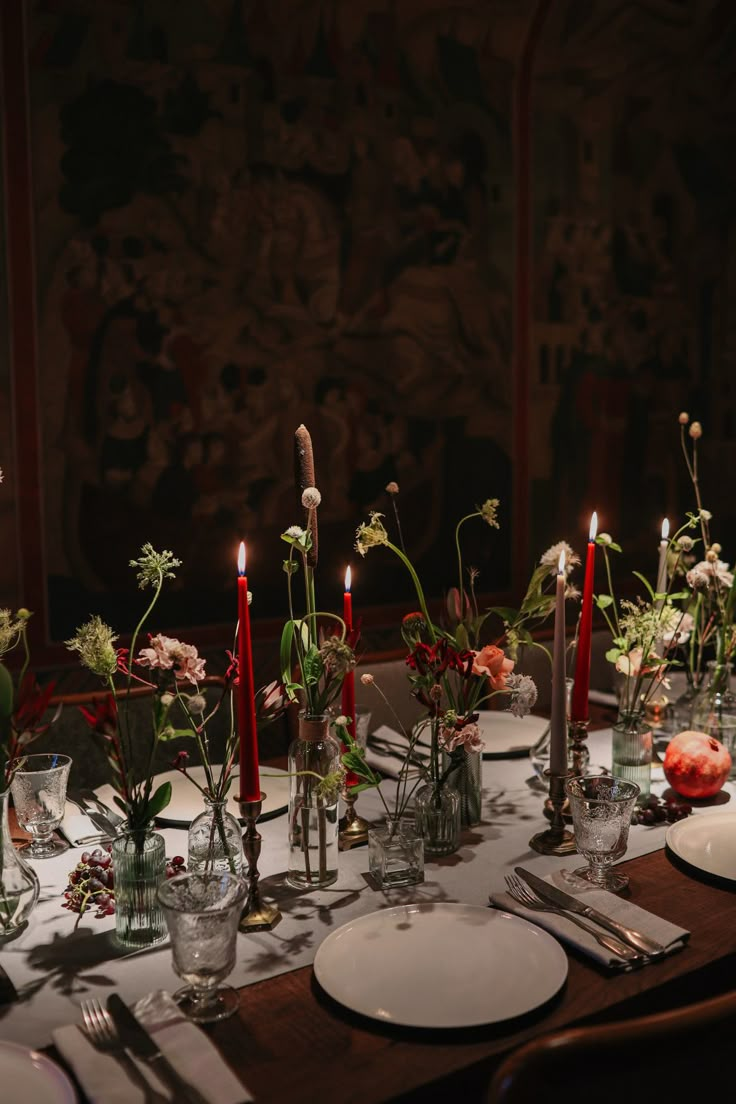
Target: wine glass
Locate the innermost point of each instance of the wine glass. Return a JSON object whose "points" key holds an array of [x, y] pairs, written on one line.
{"points": [[38, 787], [601, 807], [202, 913]]}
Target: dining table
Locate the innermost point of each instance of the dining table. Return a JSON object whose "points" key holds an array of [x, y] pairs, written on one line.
{"points": [[291, 1041]]}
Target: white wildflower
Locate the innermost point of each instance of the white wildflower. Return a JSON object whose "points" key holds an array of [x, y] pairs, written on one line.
{"points": [[551, 558]]}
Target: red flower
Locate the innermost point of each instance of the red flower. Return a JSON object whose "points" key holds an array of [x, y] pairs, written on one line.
{"points": [[104, 718], [32, 703]]}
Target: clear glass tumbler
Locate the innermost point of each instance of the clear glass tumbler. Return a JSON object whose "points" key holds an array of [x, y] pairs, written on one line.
{"points": [[39, 796], [202, 913], [601, 809]]}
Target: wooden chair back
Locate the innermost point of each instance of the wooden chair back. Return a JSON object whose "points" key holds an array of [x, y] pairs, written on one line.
{"points": [[664, 1056]]}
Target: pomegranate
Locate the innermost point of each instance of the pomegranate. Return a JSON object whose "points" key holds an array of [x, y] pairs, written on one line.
{"points": [[695, 764]]}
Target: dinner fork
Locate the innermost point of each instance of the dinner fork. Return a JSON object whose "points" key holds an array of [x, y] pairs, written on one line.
{"points": [[525, 896], [103, 1034]]}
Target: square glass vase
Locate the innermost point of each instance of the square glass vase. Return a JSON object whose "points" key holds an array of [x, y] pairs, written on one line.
{"points": [[396, 854]]}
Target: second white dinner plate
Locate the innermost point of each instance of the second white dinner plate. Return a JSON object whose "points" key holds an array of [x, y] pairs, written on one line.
{"points": [[32, 1078], [505, 735], [706, 841], [440, 965], [186, 800]]}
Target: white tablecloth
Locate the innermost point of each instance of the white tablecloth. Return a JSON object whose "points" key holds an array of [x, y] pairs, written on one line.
{"points": [[53, 966]]}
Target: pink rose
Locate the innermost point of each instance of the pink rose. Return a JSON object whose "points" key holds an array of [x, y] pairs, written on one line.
{"points": [[492, 662]]}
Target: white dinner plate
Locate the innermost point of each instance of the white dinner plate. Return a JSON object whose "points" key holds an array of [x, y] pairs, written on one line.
{"points": [[440, 965], [707, 841], [186, 800], [506, 735], [33, 1078]]}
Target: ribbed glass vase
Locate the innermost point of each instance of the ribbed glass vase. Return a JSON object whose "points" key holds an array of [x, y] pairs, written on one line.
{"points": [[437, 817], [139, 864], [214, 841], [632, 746]]}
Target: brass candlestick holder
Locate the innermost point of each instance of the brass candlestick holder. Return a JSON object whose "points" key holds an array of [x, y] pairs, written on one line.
{"points": [[353, 828], [555, 840], [578, 759], [257, 915]]}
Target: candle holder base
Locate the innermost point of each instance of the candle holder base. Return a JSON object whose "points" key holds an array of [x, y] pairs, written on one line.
{"points": [[565, 810], [353, 828], [257, 915], [555, 840]]}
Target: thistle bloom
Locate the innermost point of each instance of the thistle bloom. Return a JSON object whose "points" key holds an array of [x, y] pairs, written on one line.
{"points": [[696, 431], [685, 543], [95, 642], [154, 567], [392, 488], [524, 694], [11, 628], [337, 656], [371, 534], [684, 418], [551, 558], [311, 498], [488, 512], [367, 678]]}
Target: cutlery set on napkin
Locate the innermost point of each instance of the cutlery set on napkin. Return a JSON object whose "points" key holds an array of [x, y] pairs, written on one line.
{"points": [[607, 928], [92, 823], [159, 1056]]}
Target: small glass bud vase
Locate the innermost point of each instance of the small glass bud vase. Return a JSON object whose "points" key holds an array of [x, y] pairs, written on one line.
{"points": [[313, 822], [465, 776], [437, 818], [714, 709], [139, 864], [396, 853], [215, 843], [632, 749], [19, 885]]}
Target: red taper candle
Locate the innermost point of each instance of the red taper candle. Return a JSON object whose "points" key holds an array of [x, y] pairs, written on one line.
{"points": [[250, 782], [348, 686], [581, 686]]}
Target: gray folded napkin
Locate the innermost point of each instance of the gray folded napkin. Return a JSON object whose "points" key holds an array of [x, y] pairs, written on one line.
{"points": [[108, 1080], [669, 935]]}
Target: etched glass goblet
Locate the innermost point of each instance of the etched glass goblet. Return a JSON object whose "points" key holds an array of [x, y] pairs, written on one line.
{"points": [[38, 787], [202, 913], [601, 808]]}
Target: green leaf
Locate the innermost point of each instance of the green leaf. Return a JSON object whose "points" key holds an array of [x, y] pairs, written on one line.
{"points": [[6, 692], [646, 583], [603, 601], [612, 654], [290, 566], [506, 613], [287, 638], [158, 800], [609, 544], [312, 667], [680, 596], [461, 638]]}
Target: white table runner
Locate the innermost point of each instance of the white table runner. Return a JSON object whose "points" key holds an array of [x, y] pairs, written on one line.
{"points": [[54, 967]]}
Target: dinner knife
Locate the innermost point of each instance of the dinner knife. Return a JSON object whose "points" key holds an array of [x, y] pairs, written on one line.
{"points": [[136, 1038], [99, 820], [569, 903]]}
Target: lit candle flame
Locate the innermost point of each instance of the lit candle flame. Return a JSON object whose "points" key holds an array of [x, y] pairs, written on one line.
{"points": [[593, 526], [666, 529], [241, 558], [348, 577], [561, 565]]}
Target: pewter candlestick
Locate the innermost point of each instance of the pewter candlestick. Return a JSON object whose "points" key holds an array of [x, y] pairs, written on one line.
{"points": [[257, 914]]}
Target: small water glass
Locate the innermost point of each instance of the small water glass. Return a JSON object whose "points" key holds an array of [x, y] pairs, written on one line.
{"points": [[362, 725], [601, 809], [38, 787], [202, 913]]}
